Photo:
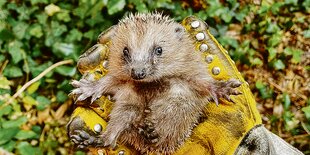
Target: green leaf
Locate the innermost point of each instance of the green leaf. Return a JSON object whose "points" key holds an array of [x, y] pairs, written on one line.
{"points": [[43, 102], [6, 134], [36, 30], [286, 101], [66, 70], [20, 29], [5, 110], [12, 72], [278, 64], [272, 28], [42, 18], [296, 53], [227, 15], [15, 51], [229, 41], [263, 90], [63, 16], [90, 34], [288, 51], [259, 85], [4, 83], [257, 61], [79, 153], [29, 101], [275, 40], [272, 54], [297, 56], [37, 69], [34, 87], [51, 9], [61, 97], [34, 2], [74, 35], [58, 29], [63, 49], [37, 129], [4, 91], [276, 7], [306, 33], [9, 146], [141, 7], [293, 2], [115, 6], [24, 148], [6, 35], [14, 122], [306, 110], [26, 134]]}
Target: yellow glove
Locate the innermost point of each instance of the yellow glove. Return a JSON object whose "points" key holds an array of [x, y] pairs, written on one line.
{"points": [[223, 127]]}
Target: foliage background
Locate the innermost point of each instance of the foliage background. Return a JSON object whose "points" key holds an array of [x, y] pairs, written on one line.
{"points": [[269, 42]]}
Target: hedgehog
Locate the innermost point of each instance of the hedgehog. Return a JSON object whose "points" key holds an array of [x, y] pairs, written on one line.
{"points": [[159, 84]]}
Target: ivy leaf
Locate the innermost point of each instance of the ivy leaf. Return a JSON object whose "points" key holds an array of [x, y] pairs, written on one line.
{"points": [[34, 87], [43, 102], [58, 29], [115, 6], [263, 90], [63, 49], [4, 83], [306, 33], [278, 65], [293, 2], [257, 61], [74, 35], [297, 56], [296, 53], [66, 70], [20, 29], [286, 101], [15, 51], [5, 110], [9, 146], [34, 2], [6, 35], [6, 134], [12, 72], [36, 30], [306, 110], [272, 54], [26, 134], [272, 28], [61, 97], [63, 16], [275, 40], [15, 122], [51, 9], [24, 148]]}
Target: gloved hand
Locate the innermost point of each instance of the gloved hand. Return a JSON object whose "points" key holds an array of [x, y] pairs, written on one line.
{"points": [[219, 132]]}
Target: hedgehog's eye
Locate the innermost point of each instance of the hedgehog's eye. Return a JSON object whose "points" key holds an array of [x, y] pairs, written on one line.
{"points": [[126, 53], [158, 51]]}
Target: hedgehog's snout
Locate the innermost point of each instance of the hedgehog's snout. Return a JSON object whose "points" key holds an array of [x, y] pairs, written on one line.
{"points": [[138, 73]]}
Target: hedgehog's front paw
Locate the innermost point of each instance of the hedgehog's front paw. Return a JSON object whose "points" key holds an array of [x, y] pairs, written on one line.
{"points": [[83, 139], [225, 89], [85, 89]]}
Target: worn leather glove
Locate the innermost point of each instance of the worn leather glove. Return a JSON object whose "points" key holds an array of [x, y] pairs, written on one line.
{"points": [[226, 129]]}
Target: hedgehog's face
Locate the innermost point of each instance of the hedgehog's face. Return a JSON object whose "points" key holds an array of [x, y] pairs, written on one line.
{"points": [[148, 52]]}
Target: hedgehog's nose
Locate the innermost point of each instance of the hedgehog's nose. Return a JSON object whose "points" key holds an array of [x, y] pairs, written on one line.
{"points": [[138, 73]]}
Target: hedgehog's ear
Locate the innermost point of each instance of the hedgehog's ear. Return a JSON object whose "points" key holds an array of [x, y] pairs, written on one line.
{"points": [[107, 35], [179, 31]]}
